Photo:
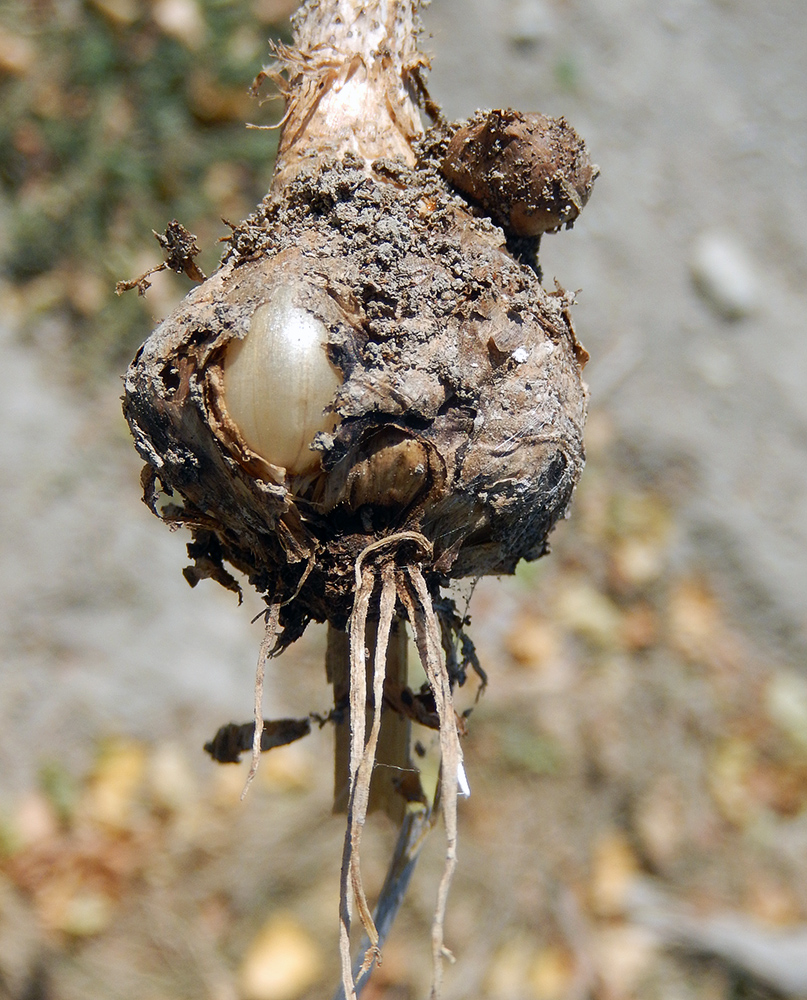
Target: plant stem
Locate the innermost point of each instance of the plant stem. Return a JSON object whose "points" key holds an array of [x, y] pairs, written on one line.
{"points": [[349, 84]]}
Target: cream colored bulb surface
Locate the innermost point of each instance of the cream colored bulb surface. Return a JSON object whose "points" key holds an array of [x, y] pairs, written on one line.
{"points": [[278, 381]]}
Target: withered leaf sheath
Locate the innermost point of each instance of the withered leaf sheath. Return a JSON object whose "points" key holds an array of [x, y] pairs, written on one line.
{"points": [[461, 408]]}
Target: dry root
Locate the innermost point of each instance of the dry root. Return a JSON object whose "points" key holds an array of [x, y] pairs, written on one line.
{"points": [[407, 585], [268, 644]]}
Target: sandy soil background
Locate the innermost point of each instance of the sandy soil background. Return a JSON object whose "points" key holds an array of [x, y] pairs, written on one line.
{"points": [[638, 822], [696, 113]]}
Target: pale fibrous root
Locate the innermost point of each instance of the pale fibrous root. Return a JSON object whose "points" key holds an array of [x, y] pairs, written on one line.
{"points": [[268, 644], [400, 581]]}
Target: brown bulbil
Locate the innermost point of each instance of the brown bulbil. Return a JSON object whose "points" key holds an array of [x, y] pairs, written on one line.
{"points": [[530, 173]]}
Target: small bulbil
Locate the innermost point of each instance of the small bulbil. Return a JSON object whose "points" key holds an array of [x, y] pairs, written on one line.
{"points": [[530, 173]]}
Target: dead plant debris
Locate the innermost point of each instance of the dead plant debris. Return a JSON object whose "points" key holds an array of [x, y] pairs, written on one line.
{"points": [[371, 397], [179, 247]]}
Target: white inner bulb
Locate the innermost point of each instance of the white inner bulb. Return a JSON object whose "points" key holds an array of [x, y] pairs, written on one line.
{"points": [[278, 381]]}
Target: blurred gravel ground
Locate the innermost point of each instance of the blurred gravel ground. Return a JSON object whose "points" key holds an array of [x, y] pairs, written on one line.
{"points": [[647, 712], [691, 255]]}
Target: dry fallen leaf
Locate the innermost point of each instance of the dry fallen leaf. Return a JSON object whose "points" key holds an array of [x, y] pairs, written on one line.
{"points": [[532, 642], [551, 974], [281, 963], [172, 783], [771, 900], [35, 821], [288, 769], [623, 955], [114, 785], [83, 913], [641, 527], [728, 780], [76, 880], [695, 623], [786, 705], [17, 53], [182, 20], [640, 627], [583, 609], [121, 13], [509, 971], [658, 820], [614, 868]]}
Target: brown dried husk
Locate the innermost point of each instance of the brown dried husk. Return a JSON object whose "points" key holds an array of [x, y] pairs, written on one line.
{"points": [[461, 410]]}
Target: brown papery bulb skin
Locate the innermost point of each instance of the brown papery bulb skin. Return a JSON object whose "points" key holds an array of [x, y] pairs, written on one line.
{"points": [[530, 173], [278, 382]]}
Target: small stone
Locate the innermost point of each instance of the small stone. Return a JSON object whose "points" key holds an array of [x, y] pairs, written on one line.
{"points": [[724, 276], [531, 22], [715, 365]]}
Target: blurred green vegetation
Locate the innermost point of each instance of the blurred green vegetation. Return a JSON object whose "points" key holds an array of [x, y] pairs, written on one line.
{"points": [[118, 116]]}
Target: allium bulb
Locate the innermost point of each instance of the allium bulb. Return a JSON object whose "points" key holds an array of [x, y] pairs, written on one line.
{"points": [[278, 382], [370, 279]]}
